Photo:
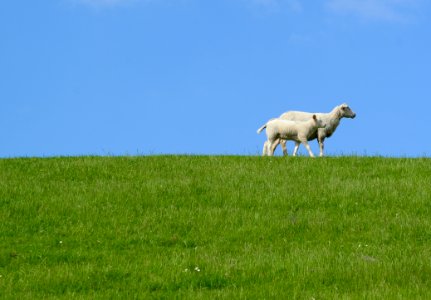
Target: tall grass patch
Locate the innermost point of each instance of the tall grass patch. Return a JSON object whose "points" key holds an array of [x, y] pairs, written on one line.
{"points": [[215, 227]]}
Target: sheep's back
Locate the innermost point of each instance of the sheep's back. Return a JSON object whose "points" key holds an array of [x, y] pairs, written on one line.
{"points": [[296, 116]]}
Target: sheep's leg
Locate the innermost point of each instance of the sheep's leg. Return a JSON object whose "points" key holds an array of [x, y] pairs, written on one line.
{"points": [[283, 146], [321, 146], [296, 148], [274, 145], [308, 148], [265, 148]]}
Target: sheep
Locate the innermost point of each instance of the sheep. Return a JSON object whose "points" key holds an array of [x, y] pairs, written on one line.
{"points": [[331, 120], [279, 129]]}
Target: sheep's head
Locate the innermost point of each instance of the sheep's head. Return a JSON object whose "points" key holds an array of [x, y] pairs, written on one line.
{"points": [[319, 122], [346, 112]]}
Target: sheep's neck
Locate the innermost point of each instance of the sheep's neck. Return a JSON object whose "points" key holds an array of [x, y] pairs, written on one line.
{"points": [[333, 123]]}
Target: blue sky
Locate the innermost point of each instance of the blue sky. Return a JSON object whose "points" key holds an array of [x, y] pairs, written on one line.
{"points": [[140, 77]]}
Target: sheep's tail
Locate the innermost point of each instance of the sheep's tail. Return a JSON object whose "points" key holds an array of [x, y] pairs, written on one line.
{"points": [[264, 126], [261, 128]]}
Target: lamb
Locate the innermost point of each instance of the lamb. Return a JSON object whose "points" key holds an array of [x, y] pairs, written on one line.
{"points": [[331, 120], [300, 132]]}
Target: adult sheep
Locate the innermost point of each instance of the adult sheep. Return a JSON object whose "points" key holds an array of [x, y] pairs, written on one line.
{"points": [[331, 121]]}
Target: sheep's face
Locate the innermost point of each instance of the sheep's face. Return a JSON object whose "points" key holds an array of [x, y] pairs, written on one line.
{"points": [[319, 122], [346, 111]]}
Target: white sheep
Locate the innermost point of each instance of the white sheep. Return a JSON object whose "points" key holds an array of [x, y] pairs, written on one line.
{"points": [[279, 129], [331, 121]]}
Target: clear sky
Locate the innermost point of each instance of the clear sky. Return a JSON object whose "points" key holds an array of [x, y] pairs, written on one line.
{"points": [[140, 77]]}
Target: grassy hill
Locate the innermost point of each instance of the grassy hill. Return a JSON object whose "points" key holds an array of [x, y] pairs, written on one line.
{"points": [[215, 227]]}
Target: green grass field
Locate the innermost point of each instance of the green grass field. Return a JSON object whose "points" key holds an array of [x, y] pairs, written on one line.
{"points": [[211, 227]]}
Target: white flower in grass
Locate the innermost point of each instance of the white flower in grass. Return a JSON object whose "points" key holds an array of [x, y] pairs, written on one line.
{"points": [[197, 269], [60, 242]]}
